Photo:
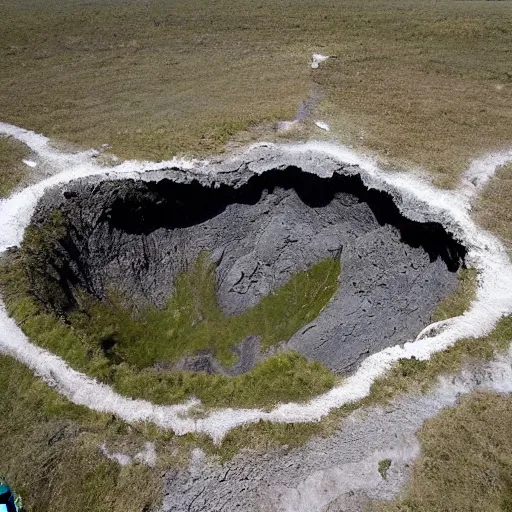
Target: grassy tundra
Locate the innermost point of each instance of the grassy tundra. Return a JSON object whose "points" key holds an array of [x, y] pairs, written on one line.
{"points": [[423, 84], [418, 84]]}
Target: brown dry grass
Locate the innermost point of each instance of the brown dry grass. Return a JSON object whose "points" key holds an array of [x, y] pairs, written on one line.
{"points": [[421, 84], [466, 464], [494, 208], [12, 170], [51, 454]]}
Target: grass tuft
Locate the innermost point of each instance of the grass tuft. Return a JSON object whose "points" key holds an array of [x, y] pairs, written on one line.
{"points": [[458, 301], [383, 467], [12, 170], [192, 321]]}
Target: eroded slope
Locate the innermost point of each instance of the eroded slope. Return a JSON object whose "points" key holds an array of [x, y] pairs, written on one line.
{"points": [[134, 237]]}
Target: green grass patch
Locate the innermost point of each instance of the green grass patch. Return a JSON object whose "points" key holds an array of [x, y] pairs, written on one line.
{"points": [[191, 321], [458, 301], [12, 170], [383, 467], [287, 377]]}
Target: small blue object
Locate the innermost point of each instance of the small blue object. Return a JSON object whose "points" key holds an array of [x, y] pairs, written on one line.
{"points": [[7, 502]]}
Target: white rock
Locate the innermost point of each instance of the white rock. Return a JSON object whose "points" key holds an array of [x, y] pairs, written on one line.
{"points": [[323, 125], [317, 59], [30, 163]]}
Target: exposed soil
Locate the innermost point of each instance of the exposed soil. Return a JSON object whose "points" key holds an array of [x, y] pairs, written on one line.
{"points": [[335, 474], [135, 236]]}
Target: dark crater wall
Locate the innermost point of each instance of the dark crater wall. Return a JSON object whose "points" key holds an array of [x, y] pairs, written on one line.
{"points": [[260, 229]]}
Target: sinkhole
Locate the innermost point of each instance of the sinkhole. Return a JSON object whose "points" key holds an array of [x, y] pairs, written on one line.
{"points": [[131, 241]]}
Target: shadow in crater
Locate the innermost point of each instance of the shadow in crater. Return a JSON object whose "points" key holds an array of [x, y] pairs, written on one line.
{"points": [[147, 206]]}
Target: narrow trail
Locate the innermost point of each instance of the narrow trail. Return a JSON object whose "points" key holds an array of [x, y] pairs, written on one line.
{"points": [[336, 473], [417, 200]]}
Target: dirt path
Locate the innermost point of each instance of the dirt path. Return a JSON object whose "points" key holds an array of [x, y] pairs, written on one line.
{"points": [[339, 473]]}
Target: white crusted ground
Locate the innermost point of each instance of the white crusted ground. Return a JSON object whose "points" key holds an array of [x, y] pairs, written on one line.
{"points": [[335, 473], [317, 59], [417, 199]]}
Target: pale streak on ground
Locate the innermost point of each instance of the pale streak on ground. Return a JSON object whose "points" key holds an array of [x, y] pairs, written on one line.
{"points": [[334, 473]]}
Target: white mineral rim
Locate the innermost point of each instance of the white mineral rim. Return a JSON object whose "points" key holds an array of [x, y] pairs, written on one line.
{"points": [[417, 200]]}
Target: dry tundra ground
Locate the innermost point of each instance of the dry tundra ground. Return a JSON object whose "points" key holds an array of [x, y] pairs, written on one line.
{"points": [[419, 84]]}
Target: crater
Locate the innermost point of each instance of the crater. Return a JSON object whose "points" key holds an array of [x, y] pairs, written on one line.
{"points": [[134, 237]]}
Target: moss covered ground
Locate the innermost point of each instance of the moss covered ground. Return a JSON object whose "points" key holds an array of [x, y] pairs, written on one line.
{"points": [[191, 321]]}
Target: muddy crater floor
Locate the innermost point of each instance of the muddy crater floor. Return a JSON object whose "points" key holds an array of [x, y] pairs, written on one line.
{"points": [[137, 234]]}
